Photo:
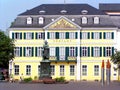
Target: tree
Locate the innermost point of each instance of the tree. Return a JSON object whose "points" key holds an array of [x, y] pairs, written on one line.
{"points": [[115, 58], [6, 50]]}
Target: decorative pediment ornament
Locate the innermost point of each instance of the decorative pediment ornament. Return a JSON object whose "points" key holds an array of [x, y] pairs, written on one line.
{"points": [[62, 23]]}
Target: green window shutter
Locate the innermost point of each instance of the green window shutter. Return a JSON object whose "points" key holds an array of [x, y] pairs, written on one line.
{"points": [[76, 51], [57, 35], [36, 35], [43, 35], [66, 53], [88, 51], [20, 35], [32, 51], [112, 35], [67, 35], [92, 35], [13, 35], [104, 52], [32, 35], [24, 51], [24, 35], [48, 35], [36, 51], [20, 51], [100, 35], [57, 53], [80, 35], [88, 35], [100, 51], [112, 50], [80, 51], [92, 51], [104, 35], [76, 35]]}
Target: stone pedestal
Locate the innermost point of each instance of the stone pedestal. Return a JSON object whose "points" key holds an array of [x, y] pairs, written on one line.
{"points": [[45, 69]]}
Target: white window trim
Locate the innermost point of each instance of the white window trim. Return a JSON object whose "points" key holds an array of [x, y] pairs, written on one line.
{"points": [[29, 20], [96, 20], [52, 51], [62, 70], [96, 51], [52, 35], [62, 53], [84, 20], [41, 20], [17, 51]]}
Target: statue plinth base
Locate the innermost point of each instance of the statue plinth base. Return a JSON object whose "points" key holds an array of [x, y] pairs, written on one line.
{"points": [[45, 69]]}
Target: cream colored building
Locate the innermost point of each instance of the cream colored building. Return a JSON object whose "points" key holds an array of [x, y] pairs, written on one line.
{"points": [[79, 36]]}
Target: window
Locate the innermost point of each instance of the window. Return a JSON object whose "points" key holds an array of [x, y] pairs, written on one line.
{"points": [[96, 35], [39, 51], [71, 35], [52, 51], [62, 70], [84, 51], [17, 51], [72, 51], [84, 70], [52, 67], [29, 20], [108, 35], [39, 35], [28, 69], [108, 51], [96, 70], [84, 20], [16, 69], [28, 35], [84, 35], [52, 35], [62, 53], [16, 35], [96, 20], [39, 70], [72, 70], [96, 51], [41, 20], [28, 51], [62, 35]]}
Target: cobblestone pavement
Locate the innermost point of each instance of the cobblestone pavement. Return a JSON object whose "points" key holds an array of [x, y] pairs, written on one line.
{"points": [[70, 86]]}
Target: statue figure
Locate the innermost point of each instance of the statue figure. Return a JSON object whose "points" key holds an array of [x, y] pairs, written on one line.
{"points": [[45, 51]]}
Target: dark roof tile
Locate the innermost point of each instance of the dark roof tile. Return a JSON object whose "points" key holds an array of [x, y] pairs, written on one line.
{"points": [[72, 9]]}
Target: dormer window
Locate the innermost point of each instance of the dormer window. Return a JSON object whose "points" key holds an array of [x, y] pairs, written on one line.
{"points": [[63, 11], [42, 12], [41, 20], [29, 20], [84, 12], [84, 20], [96, 20]]}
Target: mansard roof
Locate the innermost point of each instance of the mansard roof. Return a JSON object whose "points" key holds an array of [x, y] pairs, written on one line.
{"points": [[109, 7], [60, 9]]}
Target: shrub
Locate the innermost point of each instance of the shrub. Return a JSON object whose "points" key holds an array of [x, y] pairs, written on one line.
{"points": [[27, 79], [60, 79], [35, 78]]}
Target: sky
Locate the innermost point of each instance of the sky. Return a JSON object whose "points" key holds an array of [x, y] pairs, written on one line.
{"points": [[9, 9]]}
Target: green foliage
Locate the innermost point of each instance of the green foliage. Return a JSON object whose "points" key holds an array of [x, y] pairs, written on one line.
{"points": [[27, 79], [6, 50], [116, 58], [35, 78], [60, 79]]}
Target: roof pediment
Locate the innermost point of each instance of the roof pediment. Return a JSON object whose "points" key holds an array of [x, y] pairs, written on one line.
{"points": [[62, 23]]}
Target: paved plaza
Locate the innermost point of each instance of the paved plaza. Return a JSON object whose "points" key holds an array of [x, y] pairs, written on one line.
{"points": [[70, 86]]}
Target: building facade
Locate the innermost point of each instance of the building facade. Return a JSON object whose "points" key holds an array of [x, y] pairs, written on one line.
{"points": [[79, 36]]}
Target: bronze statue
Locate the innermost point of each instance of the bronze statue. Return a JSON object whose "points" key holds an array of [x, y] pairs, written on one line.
{"points": [[45, 51]]}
